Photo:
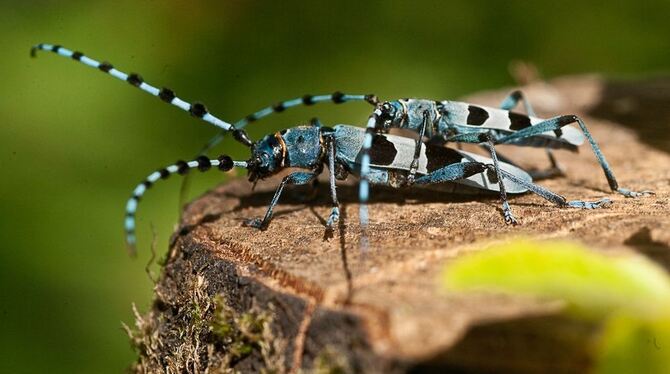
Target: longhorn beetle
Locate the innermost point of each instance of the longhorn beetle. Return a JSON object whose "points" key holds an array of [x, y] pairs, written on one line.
{"points": [[386, 164], [339, 147]]}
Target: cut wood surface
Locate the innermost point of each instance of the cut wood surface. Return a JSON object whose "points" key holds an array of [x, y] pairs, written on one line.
{"points": [[327, 305]]}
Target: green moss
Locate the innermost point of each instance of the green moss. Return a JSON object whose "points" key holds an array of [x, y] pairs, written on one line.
{"points": [[205, 334], [240, 334], [330, 361]]}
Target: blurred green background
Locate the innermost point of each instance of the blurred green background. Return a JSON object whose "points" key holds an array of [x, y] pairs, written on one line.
{"points": [[74, 142]]}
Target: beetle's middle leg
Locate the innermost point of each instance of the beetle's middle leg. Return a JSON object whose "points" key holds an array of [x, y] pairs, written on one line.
{"points": [[414, 166], [296, 178], [462, 170], [487, 141], [335, 211]]}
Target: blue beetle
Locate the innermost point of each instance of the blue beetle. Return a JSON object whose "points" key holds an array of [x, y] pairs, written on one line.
{"points": [[310, 148]]}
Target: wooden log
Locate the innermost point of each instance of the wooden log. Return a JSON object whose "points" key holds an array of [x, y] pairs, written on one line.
{"points": [[293, 298]]}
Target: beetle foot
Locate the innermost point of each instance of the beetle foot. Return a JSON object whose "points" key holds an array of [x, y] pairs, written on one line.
{"points": [[628, 193], [602, 203], [256, 223]]}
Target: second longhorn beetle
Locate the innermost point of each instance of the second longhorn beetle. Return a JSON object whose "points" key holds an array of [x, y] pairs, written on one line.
{"points": [[391, 161]]}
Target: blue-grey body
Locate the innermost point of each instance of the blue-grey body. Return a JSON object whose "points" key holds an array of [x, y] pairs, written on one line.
{"points": [[450, 118]]}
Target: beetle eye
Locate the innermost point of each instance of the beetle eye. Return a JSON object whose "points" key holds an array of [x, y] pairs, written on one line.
{"points": [[387, 112]]}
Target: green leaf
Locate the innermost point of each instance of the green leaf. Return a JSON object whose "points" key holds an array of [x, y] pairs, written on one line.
{"points": [[589, 282], [630, 345], [628, 293]]}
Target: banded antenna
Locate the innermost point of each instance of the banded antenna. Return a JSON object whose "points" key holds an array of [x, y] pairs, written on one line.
{"points": [[364, 182], [202, 163], [165, 94], [307, 100]]}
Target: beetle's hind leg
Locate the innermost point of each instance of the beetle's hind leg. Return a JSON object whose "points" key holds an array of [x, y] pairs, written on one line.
{"points": [[555, 124], [464, 170]]}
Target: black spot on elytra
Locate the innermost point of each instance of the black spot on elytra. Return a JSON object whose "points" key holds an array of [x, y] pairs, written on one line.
{"points": [[383, 152], [439, 156], [518, 121], [476, 115]]}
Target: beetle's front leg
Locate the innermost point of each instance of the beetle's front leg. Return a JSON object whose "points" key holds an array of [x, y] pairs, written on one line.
{"points": [[335, 211], [414, 166], [297, 178]]}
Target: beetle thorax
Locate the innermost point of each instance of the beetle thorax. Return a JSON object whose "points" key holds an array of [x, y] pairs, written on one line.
{"points": [[304, 146]]}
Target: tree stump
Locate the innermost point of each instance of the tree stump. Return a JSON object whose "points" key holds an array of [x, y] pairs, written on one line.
{"points": [[294, 298]]}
